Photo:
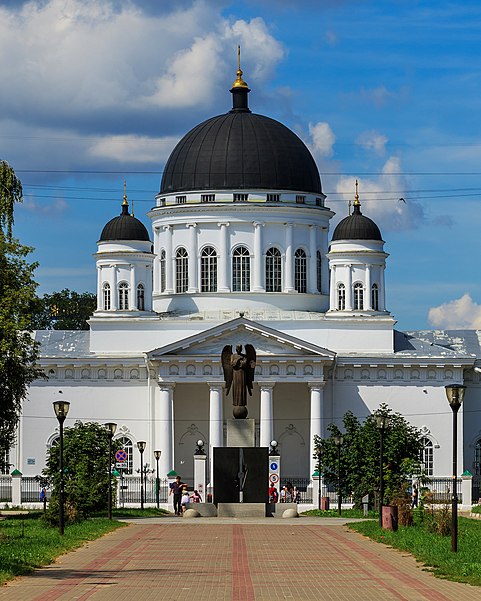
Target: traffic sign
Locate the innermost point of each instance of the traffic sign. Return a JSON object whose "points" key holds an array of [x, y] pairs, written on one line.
{"points": [[121, 456], [274, 466], [274, 478]]}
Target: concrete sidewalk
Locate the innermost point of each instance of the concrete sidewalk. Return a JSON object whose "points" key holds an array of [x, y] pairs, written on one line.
{"points": [[232, 560]]}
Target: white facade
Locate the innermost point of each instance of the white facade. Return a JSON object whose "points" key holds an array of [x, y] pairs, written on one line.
{"points": [[246, 266]]}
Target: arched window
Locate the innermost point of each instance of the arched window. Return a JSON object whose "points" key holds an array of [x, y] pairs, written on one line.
{"points": [[341, 297], [162, 270], [427, 457], [319, 270], [106, 296], [358, 297], [123, 296], [208, 270], [181, 270], [375, 297], [273, 270], [128, 447], [300, 270], [241, 270], [477, 458], [141, 297]]}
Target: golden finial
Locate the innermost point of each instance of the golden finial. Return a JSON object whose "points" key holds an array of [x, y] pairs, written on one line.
{"points": [[125, 202], [239, 82], [357, 202]]}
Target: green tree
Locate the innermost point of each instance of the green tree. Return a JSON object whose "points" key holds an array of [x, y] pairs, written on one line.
{"points": [[86, 471], [360, 455], [18, 350], [64, 310]]}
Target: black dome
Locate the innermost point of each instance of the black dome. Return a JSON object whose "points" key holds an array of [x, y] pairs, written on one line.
{"points": [[356, 227], [124, 227], [240, 150]]}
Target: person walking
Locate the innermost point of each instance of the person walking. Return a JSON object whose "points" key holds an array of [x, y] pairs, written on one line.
{"points": [[176, 491]]}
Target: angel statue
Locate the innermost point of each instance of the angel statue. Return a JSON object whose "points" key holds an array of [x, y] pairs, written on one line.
{"points": [[239, 374]]}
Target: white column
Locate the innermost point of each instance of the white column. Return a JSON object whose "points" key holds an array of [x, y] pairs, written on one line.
{"points": [[224, 259], [193, 283], [333, 286], [367, 295], [317, 413], [99, 288], [258, 270], [289, 276], [312, 274], [114, 293], [169, 260], [216, 423], [156, 266], [266, 413], [166, 427], [325, 260], [349, 288], [133, 289], [382, 295]]}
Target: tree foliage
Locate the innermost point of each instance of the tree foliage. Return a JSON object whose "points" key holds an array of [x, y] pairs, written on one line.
{"points": [[360, 455], [18, 350], [86, 470], [64, 310]]}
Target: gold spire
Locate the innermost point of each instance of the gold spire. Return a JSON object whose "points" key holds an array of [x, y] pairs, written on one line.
{"points": [[125, 202], [239, 82], [357, 202], [132, 212]]}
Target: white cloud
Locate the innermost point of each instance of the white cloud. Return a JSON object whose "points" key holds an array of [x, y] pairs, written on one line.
{"points": [[372, 140], [52, 209], [457, 314], [322, 139], [381, 198], [134, 149]]}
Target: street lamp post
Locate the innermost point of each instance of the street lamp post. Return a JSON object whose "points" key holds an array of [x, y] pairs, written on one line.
{"points": [[319, 491], [61, 410], [141, 446], [338, 441], [381, 423], [111, 428], [455, 395], [157, 455]]}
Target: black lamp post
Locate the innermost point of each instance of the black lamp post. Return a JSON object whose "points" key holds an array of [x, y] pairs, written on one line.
{"points": [[61, 409], [319, 492], [157, 455], [111, 428], [455, 394], [338, 441], [199, 447], [274, 451], [382, 423], [141, 446]]}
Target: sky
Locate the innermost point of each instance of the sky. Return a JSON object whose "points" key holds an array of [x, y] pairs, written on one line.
{"points": [[95, 92]]}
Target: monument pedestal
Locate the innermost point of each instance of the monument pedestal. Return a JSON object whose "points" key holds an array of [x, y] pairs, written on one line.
{"points": [[241, 433]]}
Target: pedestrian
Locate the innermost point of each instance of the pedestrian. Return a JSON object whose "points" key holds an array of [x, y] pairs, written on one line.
{"points": [[196, 498], [296, 495], [272, 492], [176, 491], [283, 494], [185, 499], [414, 496]]}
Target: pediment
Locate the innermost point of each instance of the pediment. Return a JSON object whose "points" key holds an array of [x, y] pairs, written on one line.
{"points": [[266, 341]]}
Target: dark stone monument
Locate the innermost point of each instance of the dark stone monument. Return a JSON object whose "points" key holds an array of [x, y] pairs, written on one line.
{"points": [[241, 474]]}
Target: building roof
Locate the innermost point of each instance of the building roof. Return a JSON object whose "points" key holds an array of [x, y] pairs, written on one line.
{"points": [[240, 150], [124, 227], [356, 227]]}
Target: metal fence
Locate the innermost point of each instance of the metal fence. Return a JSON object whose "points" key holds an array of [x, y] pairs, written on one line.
{"points": [[476, 490], [130, 487], [31, 488], [5, 489], [440, 490]]}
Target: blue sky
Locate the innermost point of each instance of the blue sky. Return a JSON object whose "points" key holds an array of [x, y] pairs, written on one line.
{"points": [[390, 92]]}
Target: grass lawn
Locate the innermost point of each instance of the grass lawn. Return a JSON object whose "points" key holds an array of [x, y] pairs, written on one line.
{"points": [[435, 550], [346, 513], [26, 542], [133, 512]]}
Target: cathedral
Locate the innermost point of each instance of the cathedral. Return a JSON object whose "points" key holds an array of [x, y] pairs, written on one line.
{"points": [[240, 252]]}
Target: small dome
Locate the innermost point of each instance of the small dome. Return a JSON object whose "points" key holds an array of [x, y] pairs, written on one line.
{"points": [[240, 150], [356, 227], [124, 227]]}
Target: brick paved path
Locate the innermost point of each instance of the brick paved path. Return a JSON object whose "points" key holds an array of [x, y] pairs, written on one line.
{"points": [[210, 561]]}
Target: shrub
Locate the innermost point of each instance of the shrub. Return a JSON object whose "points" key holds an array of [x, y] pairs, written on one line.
{"points": [[402, 500]]}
